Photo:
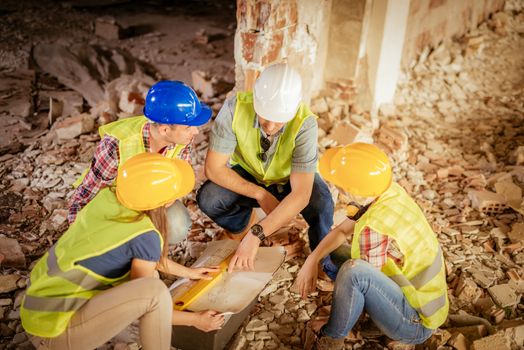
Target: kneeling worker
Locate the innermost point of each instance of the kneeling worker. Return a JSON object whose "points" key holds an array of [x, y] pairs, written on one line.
{"points": [[396, 271]]}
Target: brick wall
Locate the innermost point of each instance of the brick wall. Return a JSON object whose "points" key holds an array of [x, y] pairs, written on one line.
{"points": [[275, 30], [431, 21]]}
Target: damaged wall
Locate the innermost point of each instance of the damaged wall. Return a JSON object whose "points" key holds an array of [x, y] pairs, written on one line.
{"points": [[273, 31], [366, 41], [345, 30], [431, 21]]}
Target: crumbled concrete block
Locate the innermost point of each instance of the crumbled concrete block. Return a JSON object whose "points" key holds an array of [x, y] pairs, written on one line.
{"points": [[470, 332], [256, 325], [517, 232], [497, 341], [504, 295], [511, 192], [467, 290], [8, 283], [72, 127], [58, 217], [131, 102], [202, 84], [344, 134], [319, 105], [391, 139], [106, 27], [12, 252]]}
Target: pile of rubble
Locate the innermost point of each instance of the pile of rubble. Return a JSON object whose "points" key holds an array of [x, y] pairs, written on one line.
{"points": [[455, 134]]}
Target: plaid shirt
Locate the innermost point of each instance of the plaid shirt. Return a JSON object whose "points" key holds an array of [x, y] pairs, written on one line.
{"points": [[375, 248], [104, 169]]}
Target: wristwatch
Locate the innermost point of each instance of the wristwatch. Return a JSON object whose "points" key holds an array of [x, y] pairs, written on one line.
{"points": [[258, 231]]}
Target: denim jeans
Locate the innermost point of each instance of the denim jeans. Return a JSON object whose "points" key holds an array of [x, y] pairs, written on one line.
{"points": [[360, 286], [232, 211]]}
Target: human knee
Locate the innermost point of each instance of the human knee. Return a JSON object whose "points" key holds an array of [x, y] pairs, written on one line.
{"points": [[354, 271], [158, 292], [204, 197]]}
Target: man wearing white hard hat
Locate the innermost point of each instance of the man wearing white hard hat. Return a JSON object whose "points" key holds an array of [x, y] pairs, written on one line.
{"points": [[263, 153]]}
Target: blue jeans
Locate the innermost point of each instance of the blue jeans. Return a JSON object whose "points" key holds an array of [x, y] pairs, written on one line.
{"points": [[232, 211], [360, 286]]}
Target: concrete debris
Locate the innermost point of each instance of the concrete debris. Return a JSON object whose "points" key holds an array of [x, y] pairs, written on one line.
{"points": [[207, 86], [107, 28], [85, 68], [70, 128], [346, 133], [8, 283], [503, 295], [454, 137], [12, 253], [497, 341]]}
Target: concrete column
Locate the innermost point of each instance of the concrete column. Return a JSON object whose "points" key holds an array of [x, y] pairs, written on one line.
{"points": [[384, 46]]}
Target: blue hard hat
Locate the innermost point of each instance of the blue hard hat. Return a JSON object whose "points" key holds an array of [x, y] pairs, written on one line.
{"points": [[173, 102]]}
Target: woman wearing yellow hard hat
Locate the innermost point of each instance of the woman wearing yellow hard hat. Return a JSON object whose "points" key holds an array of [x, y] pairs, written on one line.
{"points": [[394, 268], [99, 276]]}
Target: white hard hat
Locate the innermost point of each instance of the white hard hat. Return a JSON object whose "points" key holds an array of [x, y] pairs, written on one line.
{"points": [[277, 93]]}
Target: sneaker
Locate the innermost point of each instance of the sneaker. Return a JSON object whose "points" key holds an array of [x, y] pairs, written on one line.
{"points": [[328, 343]]}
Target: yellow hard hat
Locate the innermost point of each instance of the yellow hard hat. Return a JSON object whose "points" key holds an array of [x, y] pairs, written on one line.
{"points": [[150, 180], [360, 169]]}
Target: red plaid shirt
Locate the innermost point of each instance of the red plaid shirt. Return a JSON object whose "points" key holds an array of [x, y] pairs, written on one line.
{"points": [[375, 248], [104, 169]]}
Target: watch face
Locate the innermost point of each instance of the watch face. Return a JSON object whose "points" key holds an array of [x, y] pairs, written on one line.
{"points": [[256, 229]]}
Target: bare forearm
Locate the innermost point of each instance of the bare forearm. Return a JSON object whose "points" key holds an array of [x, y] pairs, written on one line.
{"points": [[228, 178], [287, 209], [333, 240], [183, 318], [168, 266]]}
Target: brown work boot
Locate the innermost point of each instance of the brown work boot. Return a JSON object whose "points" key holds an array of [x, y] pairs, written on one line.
{"points": [[328, 343], [239, 236]]}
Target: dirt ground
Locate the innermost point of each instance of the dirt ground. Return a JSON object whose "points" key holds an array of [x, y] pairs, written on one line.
{"points": [[457, 126]]}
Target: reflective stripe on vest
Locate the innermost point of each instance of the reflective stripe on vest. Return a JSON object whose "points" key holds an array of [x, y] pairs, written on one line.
{"points": [[423, 276], [75, 276], [423, 282], [130, 138], [59, 285], [248, 142], [53, 304]]}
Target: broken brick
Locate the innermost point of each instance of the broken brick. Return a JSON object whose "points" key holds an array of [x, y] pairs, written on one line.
{"points": [[487, 202], [72, 127]]}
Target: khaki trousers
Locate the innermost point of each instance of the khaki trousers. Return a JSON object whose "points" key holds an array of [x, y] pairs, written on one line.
{"points": [[108, 313]]}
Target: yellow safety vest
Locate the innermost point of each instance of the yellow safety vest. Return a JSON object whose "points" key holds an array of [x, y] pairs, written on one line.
{"points": [[422, 277], [248, 142], [130, 138], [58, 286]]}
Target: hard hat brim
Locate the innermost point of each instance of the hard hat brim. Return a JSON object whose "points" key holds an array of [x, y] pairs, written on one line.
{"points": [[202, 118], [324, 165], [188, 176]]}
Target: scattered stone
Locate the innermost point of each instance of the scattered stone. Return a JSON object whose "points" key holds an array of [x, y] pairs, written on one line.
{"points": [[497, 341], [107, 28], [8, 283], [12, 253], [504, 295], [73, 127], [256, 325]]}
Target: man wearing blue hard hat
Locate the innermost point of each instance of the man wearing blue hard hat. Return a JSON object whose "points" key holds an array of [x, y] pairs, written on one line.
{"points": [[172, 115]]}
